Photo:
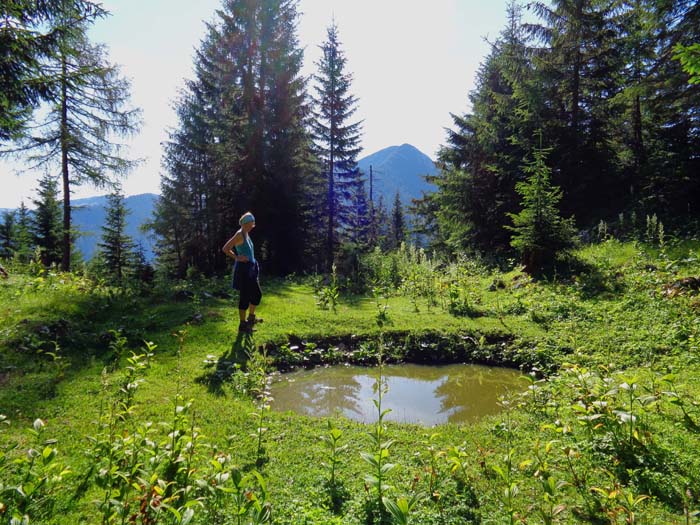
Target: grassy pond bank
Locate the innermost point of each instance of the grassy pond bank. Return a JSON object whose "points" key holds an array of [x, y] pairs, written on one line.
{"points": [[123, 406]]}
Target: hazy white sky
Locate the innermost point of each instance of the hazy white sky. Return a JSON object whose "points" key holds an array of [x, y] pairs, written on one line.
{"points": [[413, 61]]}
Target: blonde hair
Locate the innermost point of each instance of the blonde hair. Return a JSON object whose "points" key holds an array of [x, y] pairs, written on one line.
{"points": [[245, 218]]}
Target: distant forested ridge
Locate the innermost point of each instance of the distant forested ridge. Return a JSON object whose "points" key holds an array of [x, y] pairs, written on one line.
{"points": [[89, 216], [397, 168], [597, 83]]}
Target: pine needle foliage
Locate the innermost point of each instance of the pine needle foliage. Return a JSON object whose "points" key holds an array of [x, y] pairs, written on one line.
{"points": [[32, 32], [540, 233], [46, 227], [117, 249], [337, 141], [241, 144], [88, 111]]}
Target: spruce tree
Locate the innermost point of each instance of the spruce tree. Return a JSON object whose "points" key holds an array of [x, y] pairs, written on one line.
{"points": [[46, 225], [598, 79], [169, 224], [240, 144], [632, 125], [337, 140], [88, 109], [579, 59], [479, 163], [426, 222], [539, 231], [116, 249], [359, 223], [143, 270], [671, 187], [398, 222], [183, 220], [23, 234], [8, 235], [282, 204], [382, 224], [372, 225]]}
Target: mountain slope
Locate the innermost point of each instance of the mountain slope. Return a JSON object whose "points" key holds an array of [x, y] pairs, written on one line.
{"points": [[398, 168], [89, 214], [89, 217]]}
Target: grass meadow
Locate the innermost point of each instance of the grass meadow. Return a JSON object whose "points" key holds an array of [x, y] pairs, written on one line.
{"points": [[147, 406]]}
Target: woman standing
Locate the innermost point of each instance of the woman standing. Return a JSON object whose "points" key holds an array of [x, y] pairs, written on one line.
{"points": [[245, 273]]}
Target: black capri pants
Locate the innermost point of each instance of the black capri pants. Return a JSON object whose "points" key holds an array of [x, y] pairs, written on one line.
{"points": [[246, 281]]}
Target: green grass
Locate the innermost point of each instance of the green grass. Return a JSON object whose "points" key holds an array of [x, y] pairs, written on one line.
{"points": [[611, 330]]}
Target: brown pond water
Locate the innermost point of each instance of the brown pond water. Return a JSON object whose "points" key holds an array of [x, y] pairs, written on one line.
{"points": [[428, 395]]}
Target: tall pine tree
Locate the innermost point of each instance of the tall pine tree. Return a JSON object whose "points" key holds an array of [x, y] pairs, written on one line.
{"points": [[359, 218], [87, 112], [539, 231], [577, 60], [241, 143], [398, 223], [480, 163], [599, 80], [671, 186], [337, 140], [195, 182], [23, 234], [8, 235]]}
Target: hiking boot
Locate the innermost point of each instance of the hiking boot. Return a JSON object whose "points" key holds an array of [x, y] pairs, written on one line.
{"points": [[251, 323], [244, 327], [252, 320]]}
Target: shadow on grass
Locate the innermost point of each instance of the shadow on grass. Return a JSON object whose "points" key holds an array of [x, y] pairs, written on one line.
{"points": [[229, 363], [356, 300], [279, 287], [337, 494], [59, 332], [593, 280], [68, 332]]}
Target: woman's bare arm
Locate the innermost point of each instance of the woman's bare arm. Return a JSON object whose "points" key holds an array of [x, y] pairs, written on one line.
{"points": [[236, 240]]}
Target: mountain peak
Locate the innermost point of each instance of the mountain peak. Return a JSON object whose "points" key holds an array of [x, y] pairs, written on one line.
{"points": [[399, 169]]}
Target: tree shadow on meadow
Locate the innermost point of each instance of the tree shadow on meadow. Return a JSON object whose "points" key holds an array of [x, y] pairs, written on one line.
{"points": [[278, 287], [233, 360], [592, 280], [62, 335]]}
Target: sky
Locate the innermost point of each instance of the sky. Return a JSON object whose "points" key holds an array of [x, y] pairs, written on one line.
{"points": [[413, 63]]}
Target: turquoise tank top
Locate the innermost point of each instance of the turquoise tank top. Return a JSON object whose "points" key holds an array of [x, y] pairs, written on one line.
{"points": [[246, 248]]}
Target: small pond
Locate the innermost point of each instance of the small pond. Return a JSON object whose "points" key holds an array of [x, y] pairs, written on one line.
{"points": [[428, 395]]}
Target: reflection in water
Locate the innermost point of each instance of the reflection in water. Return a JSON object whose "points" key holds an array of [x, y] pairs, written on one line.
{"points": [[417, 394]]}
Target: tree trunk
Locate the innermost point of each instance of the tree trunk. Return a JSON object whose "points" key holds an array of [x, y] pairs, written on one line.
{"points": [[331, 209], [331, 174], [576, 82], [65, 262]]}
